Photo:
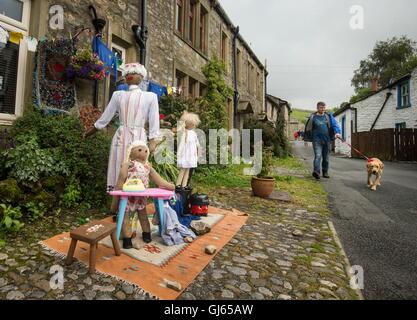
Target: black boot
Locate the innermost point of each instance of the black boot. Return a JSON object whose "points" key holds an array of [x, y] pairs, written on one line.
{"points": [[146, 236], [127, 243]]}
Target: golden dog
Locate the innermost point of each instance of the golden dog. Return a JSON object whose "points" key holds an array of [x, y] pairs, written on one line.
{"points": [[374, 167]]}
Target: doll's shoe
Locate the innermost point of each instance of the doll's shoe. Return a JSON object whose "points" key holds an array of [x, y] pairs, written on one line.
{"points": [[188, 239], [127, 243], [146, 236]]}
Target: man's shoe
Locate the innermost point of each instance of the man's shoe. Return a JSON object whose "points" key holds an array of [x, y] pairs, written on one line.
{"points": [[146, 236], [127, 243], [326, 175], [316, 175]]}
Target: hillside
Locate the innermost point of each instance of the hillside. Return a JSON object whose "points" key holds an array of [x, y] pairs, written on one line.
{"points": [[300, 115]]}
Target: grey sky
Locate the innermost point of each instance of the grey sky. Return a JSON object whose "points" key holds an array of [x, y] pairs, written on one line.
{"points": [[311, 50]]}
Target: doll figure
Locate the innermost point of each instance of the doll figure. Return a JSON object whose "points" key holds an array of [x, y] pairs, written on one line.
{"points": [[188, 147], [134, 108], [137, 166]]}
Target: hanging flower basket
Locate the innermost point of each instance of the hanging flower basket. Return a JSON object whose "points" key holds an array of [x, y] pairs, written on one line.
{"points": [[86, 65]]}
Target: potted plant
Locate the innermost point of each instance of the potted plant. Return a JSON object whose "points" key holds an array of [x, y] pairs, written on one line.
{"points": [[263, 185], [86, 65]]}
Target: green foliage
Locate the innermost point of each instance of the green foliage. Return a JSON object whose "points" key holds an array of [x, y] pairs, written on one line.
{"points": [[173, 106], [361, 94], [60, 149], [167, 170], [35, 210], [72, 196], [300, 115], [212, 108], [28, 162], [229, 176], [10, 219], [388, 60], [10, 191], [282, 147], [266, 163], [273, 137], [82, 220]]}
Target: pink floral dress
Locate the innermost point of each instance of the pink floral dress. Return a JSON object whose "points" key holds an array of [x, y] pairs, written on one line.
{"points": [[137, 170]]}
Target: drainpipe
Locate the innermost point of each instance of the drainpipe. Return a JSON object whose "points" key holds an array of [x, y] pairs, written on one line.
{"points": [[141, 32], [265, 87], [389, 94], [235, 81]]}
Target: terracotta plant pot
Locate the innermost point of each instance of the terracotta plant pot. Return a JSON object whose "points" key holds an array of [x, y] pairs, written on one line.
{"points": [[263, 187]]}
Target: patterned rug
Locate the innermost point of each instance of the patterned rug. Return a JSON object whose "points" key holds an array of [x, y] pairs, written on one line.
{"points": [[157, 252], [150, 278]]}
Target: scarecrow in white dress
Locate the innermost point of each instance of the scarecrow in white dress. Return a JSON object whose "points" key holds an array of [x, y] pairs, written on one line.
{"points": [[188, 147], [136, 110]]}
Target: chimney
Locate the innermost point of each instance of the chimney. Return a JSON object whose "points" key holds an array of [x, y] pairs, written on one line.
{"points": [[375, 84]]}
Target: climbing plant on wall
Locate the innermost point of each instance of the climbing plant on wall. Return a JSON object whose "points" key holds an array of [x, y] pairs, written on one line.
{"points": [[213, 106]]}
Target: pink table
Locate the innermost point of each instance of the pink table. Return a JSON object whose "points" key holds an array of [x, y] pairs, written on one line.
{"points": [[159, 195]]}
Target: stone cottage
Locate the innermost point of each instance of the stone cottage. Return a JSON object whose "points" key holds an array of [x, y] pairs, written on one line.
{"points": [[182, 36], [394, 106], [276, 107]]}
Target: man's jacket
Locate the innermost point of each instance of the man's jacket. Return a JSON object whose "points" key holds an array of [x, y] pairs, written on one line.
{"points": [[332, 125]]}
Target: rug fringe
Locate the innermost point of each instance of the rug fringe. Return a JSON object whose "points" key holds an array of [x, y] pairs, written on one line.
{"points": [[136, 289]]}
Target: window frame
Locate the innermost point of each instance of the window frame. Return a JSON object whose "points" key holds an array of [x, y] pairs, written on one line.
{"points": [[343, 122], [183, 3], [24, 24], [203, 29], [401, 125], [401, 96], [123, 50], [192, 22], [22, 27]]}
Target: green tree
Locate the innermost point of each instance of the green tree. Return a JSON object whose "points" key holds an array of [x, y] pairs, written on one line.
{"points": [[388, 60]]}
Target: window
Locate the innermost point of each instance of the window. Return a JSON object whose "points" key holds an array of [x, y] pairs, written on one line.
{"points": [[251, 80], [404, 95], [8, 78], [203, 90], [180, 81], [12, 9], [344, 128], [15, 12], [14, 17], [179, 16], [239, 65], [401, 125], [120, 53], [192, 88], [258, 84], [203, 29], [223, 48], [192, 8]]}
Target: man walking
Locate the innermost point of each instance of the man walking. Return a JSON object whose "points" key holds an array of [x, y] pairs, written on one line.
{"points": [[321, 129]]}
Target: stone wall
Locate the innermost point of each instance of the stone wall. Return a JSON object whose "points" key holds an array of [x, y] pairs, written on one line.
{"points": [[167, 52], [119, 15]]}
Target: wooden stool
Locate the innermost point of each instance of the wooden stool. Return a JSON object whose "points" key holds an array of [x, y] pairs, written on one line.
{"points": [[92, 233]]}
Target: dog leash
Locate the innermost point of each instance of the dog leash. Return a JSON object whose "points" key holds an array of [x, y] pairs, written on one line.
{"points": [[360, 153]]}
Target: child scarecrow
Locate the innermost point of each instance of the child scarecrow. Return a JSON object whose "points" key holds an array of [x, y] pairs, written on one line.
{"points": [[188, 147], [136, 166]]}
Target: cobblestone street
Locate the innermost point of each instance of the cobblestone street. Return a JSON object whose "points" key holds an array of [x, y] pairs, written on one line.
{"points": [[283, 252]]}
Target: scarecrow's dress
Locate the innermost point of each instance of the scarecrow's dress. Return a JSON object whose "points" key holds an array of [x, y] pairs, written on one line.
{"points": [[135, 108], [187, 155]]}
